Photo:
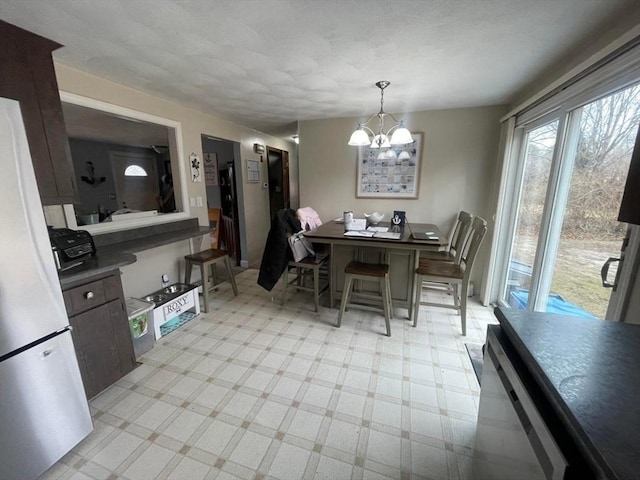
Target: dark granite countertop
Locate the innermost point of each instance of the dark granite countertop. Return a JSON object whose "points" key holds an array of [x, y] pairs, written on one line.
{"points": [[589, 370], [117, 249]]}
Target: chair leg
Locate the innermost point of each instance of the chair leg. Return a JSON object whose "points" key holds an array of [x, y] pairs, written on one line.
{"points": [[232, 279], [456, 294], [285, 279], [348, 280], [389, 296], [463, 308], [205, 286], [384, 289], [316, 286], [418, 297]]}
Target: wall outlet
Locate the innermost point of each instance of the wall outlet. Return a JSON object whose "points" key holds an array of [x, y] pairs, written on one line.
{"points": [[199, 201]]}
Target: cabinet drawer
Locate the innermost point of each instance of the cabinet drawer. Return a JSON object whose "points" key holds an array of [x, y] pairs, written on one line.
{"points": [[84, 297], [90, 295]]}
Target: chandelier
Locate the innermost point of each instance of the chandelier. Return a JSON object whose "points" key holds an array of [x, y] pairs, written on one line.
{"points": [[398, 134]]}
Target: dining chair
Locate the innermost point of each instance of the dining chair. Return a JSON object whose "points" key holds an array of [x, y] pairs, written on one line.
{"points": [[459, 238], [314, 267], [454, 277]]}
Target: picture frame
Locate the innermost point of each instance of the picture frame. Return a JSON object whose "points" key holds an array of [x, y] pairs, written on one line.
{"points": [[253, 171], [380, 174], [210, 169]]}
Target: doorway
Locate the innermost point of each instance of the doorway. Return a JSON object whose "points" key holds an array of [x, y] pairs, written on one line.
{"points": [[136, 180], [278, 173], [572, 176], [224, 193]]}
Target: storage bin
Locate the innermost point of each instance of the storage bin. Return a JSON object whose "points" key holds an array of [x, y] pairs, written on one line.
{"points": [[140, 324]]}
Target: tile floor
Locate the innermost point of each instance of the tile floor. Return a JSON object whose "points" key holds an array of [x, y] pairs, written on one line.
{"points": [[253, 390]]}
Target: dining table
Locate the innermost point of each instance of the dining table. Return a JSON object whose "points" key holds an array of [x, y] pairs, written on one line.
{"points": [[402, 254]]}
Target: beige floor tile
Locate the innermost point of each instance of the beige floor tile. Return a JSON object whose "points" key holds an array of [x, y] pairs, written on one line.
{"points": [[255, 385]]}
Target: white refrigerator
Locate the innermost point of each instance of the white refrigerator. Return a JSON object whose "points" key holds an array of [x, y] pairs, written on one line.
{"points": [[43, 408]]}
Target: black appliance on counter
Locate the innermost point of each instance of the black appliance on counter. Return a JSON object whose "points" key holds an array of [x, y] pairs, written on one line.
{"points": [[70, 247]]}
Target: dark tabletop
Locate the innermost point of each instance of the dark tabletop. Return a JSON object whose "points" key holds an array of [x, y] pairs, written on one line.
{"points": [[590, 372], [332, 231]]}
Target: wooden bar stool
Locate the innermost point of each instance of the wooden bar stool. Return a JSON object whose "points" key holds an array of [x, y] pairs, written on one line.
{"points": [[367, 271], [204, 259]]}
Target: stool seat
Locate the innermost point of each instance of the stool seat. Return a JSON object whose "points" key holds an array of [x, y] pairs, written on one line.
{"points": [[204, 259], [367, 271], [206, 255]]}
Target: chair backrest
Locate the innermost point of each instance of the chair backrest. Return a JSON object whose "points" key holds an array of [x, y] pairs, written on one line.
{"points": [[478, 231], [460, 235], [309, 218]]}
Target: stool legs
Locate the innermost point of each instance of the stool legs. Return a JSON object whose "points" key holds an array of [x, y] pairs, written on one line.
{"points": [[232, 279], [206, 285], [386, 302], [208, 274], [187, 273], [348, 280], [385, 292]]}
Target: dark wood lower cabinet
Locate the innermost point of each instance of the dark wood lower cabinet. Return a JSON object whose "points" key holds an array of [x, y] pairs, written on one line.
{"points": [[101, 336]]}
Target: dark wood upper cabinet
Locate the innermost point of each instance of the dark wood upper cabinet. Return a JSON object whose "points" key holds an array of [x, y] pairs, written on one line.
{"points": [[27, 75], [630, 207]]}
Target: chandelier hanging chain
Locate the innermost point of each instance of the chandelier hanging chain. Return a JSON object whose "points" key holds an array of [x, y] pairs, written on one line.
{"points": [[381, 114]]}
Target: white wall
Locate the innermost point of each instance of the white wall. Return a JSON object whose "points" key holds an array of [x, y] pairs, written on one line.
{"points": [[459, 158], [194, 123]]}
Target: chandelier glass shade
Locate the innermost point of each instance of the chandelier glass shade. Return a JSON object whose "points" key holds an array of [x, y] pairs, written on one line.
{"points": [[398, 134]]}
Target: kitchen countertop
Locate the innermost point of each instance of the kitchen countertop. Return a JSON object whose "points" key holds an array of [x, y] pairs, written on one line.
{"points": [[589, 370], [122, 252]]}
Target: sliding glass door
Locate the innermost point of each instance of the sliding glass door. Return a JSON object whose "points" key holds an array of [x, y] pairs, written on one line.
{"points": [[564, 227], [538, 148]]}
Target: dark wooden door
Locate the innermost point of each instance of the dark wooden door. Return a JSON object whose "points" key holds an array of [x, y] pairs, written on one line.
{"points": [[278, 173]]}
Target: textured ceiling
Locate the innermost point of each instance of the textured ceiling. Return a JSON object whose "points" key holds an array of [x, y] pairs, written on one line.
{"points": [[269, 63]]}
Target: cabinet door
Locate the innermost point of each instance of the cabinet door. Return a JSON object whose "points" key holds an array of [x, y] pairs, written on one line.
{"points": [[54, 128], [16, 84], [104, 353], [27, 75]]}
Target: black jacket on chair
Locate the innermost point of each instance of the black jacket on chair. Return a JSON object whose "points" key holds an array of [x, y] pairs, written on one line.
{"points": [[276, 251]]}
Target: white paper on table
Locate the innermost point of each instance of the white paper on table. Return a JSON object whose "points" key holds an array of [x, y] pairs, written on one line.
{"points": [[358, 233], [357, 224], [378, 229]]}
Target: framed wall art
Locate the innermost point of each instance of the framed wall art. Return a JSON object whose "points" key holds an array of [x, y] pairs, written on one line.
{"points": [[211, 169], [253, 169], [389, 172]]}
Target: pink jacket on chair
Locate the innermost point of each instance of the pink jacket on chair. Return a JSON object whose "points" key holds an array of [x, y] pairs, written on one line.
{"points": [[309, 218]]}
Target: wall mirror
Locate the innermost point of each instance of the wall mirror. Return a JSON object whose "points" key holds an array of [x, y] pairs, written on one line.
{"points": [[127, 166]]}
